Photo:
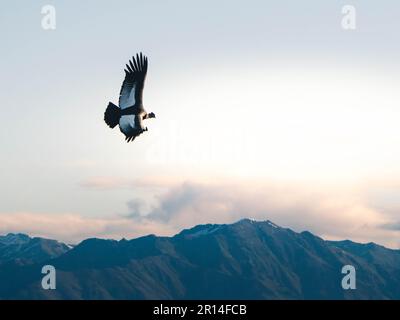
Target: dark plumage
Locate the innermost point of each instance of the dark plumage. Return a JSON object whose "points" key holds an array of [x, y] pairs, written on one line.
{"points": [[130, 113]]}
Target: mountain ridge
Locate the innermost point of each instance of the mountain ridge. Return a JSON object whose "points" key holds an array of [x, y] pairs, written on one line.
{"points": [[25, 249], [247, 259]]}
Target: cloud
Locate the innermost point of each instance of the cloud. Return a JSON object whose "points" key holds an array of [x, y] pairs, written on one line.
{"points": [[394, 226], [112, 182], [104, 182], [330, 213]]}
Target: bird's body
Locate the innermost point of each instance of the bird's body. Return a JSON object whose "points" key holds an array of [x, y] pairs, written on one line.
{"points": [[130, 113]]}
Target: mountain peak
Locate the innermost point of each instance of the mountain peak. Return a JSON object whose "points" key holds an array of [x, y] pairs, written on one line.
{"points": [[201, 230], [254, 221], [208, 229], [21, 247], [14, 238]]}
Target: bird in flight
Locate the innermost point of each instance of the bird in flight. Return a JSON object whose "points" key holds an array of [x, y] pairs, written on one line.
{"points": [[130, 113]]}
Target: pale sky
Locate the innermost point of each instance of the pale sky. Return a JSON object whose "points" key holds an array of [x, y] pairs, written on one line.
{"points": [[265, 109]]}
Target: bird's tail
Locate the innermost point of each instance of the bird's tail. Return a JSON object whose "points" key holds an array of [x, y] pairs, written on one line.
{"points": [[112, 115]]}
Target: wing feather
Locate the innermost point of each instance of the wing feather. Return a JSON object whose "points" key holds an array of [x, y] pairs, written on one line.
{"points": [[132, 88]]}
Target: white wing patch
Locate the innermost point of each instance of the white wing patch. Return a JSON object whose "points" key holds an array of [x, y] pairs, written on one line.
{"points": [[127, 124], [127, 97]]}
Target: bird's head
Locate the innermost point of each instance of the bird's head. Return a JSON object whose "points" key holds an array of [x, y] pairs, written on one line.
{"points": [[152, 115]]}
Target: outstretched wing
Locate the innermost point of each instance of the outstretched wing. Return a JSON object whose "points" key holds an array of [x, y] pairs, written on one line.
{"points": [[132, 87]]}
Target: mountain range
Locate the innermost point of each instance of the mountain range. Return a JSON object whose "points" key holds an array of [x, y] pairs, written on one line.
{"points": [[244, 260]]}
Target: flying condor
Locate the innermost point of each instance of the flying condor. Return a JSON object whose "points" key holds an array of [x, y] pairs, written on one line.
{"points": [[130, 113]]}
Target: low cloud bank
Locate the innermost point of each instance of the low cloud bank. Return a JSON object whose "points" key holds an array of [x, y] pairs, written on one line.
{"points": [[329, 213]]}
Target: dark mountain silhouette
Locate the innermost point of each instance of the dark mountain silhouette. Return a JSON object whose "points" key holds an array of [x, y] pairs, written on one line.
{"points": [[244, 260]]}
